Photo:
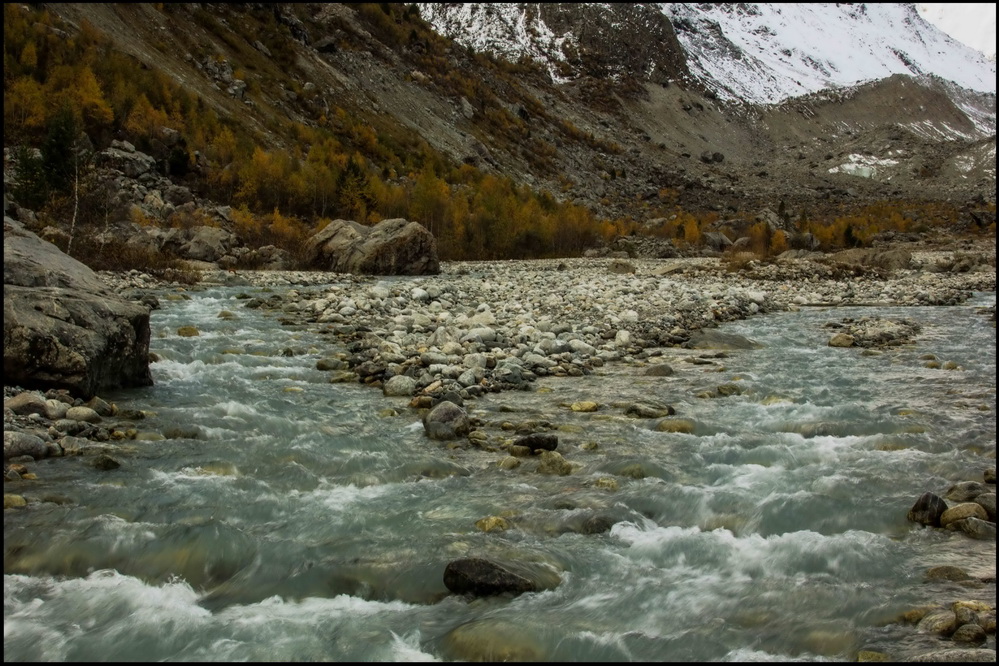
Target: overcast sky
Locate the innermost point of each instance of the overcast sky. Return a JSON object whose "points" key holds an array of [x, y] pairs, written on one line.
{"points": [[973, 23]]}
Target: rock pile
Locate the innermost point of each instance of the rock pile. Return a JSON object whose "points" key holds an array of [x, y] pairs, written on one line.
{"points": [[53, 424], [968, 506], [483, 327]]}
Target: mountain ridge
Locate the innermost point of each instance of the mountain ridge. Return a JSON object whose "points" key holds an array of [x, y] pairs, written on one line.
{"points": [[606, 132]]}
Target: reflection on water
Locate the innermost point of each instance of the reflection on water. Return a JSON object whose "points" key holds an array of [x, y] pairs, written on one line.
{"points": [[291, 518]]}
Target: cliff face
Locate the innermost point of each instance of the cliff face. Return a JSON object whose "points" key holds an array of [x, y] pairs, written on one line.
{"points": [[724, 107]]}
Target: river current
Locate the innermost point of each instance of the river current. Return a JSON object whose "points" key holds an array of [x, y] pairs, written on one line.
{"points": [[285, 517]]}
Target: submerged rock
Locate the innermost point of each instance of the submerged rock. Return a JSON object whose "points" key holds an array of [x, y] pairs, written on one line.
{"points": [[493, 640], [481, 577]]}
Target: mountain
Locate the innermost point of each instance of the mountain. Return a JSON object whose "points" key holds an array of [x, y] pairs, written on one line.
{"points": [[752, 53], [855, 73], [971, 23], [715, 113]]}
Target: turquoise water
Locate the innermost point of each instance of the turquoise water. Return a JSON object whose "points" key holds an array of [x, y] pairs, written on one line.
{"points": [[288, 518]]}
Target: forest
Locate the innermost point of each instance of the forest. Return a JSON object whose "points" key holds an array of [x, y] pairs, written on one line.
{"points": [[68, 93]]}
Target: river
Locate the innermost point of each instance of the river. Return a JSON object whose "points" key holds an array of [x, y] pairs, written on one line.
{"points": [[286, 518]]}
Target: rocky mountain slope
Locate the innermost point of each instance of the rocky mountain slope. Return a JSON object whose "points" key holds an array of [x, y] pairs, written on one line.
{"points": [[626, 109]]}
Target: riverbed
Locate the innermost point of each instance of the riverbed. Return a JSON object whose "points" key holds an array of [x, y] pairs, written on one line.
{"points": [[266, 513]]}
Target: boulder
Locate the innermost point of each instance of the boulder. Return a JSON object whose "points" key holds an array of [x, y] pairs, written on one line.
{"points": [[493, 640], [63, 328], [399, 385], [554, 464], [976, 528], [928, 509], [716, 241], [481, 578], [961, 511], [22, 444], [965, 491], [208, 244], [446, 420], [391, 247], [888, 259], [26, 403], [538, 441], [124, 158], [988, 502]]}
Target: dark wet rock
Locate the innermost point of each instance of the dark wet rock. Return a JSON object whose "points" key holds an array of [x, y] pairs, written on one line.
{"points": [[927, 510], [875, 332], [597, 524], [658, 370], [481, 577], [101, 406], [538, 442], [710, 338], [969, 633], [106, 463], [182, 432], [331, 364]]}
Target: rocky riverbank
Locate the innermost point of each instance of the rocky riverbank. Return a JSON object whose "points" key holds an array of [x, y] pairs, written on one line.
{"points": [[487, 327], [481, 327]]}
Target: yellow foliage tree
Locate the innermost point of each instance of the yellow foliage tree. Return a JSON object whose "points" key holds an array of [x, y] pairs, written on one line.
{"points": [[24, 108], [144, 119], [692, 231], [778, 242]]}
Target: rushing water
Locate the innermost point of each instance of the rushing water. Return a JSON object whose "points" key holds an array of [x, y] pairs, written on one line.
{"points": [[288, 518]]}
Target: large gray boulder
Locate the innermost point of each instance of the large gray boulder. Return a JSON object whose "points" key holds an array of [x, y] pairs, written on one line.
{"points": [[62, 327], [891, 260], [391, 247], [208, 243]]}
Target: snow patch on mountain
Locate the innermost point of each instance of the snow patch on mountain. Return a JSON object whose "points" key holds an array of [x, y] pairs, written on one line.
{"points": [[757, 53], [973, 23], [787, 50]]}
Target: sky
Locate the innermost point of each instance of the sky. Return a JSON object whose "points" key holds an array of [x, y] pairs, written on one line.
{"points": [[973, 23]]}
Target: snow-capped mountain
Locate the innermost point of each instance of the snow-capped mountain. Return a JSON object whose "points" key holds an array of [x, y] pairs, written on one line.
{"points": [[750, 52], [972, 23]]}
